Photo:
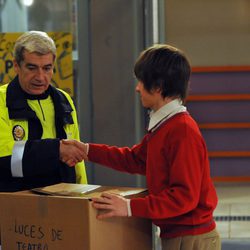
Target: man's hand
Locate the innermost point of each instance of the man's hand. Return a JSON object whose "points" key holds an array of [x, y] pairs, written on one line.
{"points": [[110, 205], [72, 151]]}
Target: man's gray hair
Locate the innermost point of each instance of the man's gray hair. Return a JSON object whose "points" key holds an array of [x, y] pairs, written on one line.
{"points": [[34, 41]]}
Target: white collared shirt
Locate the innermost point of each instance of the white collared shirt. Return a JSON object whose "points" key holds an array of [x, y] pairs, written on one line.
{"points": [[164, 113]]}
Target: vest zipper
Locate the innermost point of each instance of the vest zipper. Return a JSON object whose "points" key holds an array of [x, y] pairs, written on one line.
{"points": [[41, 109]]}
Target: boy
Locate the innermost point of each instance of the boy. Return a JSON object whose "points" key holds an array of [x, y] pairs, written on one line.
{"points": [[172, 155]]}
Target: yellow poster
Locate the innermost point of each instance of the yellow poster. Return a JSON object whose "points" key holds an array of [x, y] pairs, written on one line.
{"points": [[63, 72]]}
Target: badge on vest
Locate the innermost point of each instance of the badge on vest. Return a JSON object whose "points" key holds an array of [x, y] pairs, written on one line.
{"points": [[18, 133]]}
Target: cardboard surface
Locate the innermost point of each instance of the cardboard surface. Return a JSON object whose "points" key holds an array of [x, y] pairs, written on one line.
{"points": [[37, 222], [87, 191]]}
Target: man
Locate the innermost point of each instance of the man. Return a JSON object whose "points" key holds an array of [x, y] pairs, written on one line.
{"points": [[172, 155], [34, 117]]}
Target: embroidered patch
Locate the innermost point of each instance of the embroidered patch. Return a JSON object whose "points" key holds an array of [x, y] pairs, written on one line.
{"points": [[18, 133]]}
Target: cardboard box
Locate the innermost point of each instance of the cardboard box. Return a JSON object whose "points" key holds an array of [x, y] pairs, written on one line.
{"points": [[38, 222]]}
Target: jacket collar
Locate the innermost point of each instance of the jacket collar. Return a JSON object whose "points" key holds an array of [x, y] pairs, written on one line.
{"points": [[16, 101]]}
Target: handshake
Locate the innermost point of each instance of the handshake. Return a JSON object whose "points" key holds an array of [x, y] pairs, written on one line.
{"points": [[73, 151]]}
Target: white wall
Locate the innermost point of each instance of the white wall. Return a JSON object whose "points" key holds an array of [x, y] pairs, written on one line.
{"points": [[212, 33]]}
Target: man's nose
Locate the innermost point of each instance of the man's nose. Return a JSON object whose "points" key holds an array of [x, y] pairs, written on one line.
{"points": [[40, 73]]}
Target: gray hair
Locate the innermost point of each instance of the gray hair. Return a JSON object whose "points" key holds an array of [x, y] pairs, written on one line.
{"points": [[34, 41]]}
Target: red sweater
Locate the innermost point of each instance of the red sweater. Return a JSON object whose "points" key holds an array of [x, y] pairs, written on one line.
{"points": [[174, 159]]}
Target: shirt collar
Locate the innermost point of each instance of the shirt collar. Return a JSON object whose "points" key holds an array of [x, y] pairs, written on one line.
{"points": [[164, 113]]}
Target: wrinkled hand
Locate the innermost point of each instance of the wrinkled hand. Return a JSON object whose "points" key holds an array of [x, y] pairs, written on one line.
{"points": [[110, 205], [72, 151]]}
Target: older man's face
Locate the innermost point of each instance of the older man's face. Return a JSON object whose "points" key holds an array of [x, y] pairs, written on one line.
{"points": [[35, 72]]}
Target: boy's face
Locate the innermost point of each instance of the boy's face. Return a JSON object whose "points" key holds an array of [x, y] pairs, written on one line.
{"points": [[35, 72], [152, 100]]}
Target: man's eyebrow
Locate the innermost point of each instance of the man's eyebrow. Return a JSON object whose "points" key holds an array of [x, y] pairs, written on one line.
{"points": [[31, 64], [35, 65]]}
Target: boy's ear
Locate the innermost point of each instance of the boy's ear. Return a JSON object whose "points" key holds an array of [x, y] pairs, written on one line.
{"points": [[159, 86], [157, 90]]}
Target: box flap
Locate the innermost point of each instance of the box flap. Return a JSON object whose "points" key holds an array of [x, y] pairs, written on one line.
{"points": [[85, 190], [66, 189]]}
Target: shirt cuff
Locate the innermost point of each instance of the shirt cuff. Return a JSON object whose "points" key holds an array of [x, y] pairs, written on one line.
{"points": [[129, 208], [87, 148]]}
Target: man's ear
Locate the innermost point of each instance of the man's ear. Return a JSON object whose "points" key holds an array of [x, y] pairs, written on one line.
{"points": [[15, 66]]}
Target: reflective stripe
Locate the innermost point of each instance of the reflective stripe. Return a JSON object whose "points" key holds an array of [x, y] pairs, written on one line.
{"points": [[16, 159]]}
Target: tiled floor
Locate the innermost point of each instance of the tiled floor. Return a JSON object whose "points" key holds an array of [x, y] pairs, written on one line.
{"points": [[233, 211], [232, 215], [233, 192]]}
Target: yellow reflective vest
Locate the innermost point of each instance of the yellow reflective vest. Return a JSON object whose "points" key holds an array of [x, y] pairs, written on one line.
{"points": [[30, 131]]}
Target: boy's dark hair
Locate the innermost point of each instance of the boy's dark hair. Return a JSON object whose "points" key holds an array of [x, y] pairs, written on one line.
{"points": [[166, 68]]}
